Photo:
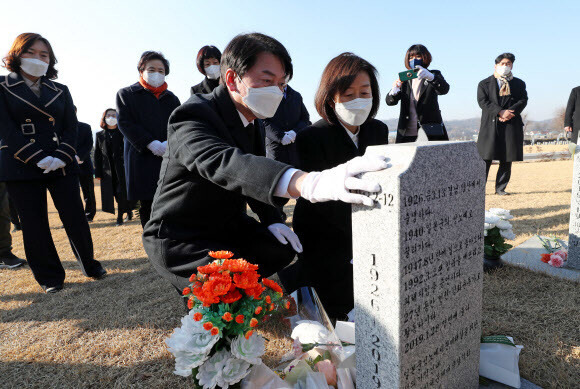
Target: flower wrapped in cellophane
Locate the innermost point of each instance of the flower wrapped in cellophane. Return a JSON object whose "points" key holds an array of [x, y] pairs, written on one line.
{"points": [[217, 342]]}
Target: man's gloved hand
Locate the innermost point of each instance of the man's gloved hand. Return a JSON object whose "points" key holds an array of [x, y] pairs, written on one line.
{"points": [[335, 183], [287, 139], [45, 162], [284, 235], [157, 148], [424, 74], [54, 165]]}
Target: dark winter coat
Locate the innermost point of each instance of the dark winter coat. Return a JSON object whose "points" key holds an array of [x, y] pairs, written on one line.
{"points": [[110, 168]]}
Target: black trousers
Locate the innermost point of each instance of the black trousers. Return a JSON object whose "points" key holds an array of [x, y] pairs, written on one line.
{"points": [[88, 187], [177, 260], [31, 202], [504, 173], [145, 211], [14, 218], [5, 237]]}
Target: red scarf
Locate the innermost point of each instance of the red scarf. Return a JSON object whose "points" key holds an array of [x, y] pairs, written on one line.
{"points": [[156, 91]]}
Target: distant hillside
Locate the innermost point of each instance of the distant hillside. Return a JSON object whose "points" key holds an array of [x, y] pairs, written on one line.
{"points": [[468, 128]]}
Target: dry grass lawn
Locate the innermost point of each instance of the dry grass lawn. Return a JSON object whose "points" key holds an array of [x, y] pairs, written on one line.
{"points": [[109, 333]]}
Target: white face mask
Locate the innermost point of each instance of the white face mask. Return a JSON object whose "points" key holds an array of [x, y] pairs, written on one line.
{"points": [[263, 102], [503, 70], [354, 112], [154, 79], [33, 66], [212, 72], [111, 121]]}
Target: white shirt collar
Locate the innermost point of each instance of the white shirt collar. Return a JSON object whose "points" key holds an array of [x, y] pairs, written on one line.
{"points": [[245, 121], [353, 137]]}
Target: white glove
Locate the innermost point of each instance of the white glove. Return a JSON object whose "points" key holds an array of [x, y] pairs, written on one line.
{"points": [[396, 87], [54, 165], [335, 183], [424, 73], [157, 148], [284, 234], [78, 160], [287, 139], [292, 134], [44, 163]]}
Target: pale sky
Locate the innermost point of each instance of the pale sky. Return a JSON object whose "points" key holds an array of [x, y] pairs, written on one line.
{"points": [[98, 43]]}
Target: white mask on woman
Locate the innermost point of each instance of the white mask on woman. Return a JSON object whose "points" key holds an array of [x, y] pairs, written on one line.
{"points": [[354, 112], [111, 121], [33, 66], [154, 79], [263, 102], [503, 70], [212, 72]]}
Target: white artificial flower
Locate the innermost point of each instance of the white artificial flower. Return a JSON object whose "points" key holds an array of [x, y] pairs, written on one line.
{"points": [[250, 350], [308, 331], [507, 234], [491, 218], [210, 372], [503, 214], [488, 226], [504, 225], [190, 344], [233, 372]]}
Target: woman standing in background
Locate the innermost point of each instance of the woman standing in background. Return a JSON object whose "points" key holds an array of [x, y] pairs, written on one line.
{"points": [[110, 168], [143, 111], [208, 64]]}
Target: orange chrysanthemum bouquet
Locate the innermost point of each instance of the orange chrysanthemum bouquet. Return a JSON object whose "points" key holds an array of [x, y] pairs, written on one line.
{"points": [[216, 342]]}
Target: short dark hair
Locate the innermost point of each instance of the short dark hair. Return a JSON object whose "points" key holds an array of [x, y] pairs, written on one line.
{"points": [[21, 45], [337, 77], [242, 51], [509, 56], [150, 56], [103, 122], [418, 49], [207, 52]]}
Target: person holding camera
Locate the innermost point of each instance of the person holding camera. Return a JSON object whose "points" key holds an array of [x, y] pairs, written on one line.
{"points": [[419, 98], [502, 98]]}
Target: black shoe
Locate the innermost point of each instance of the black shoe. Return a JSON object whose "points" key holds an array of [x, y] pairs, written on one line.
{"points": [[16, 229], [53, 289], [99, 274], [119, 222], [129, 216], [502, 193], [10, 261]]}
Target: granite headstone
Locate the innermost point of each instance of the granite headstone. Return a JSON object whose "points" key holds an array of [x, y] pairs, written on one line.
{"points": [[418, 263], [574, 229]]}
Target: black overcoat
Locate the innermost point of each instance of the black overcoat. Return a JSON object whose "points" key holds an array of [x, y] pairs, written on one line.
{"points": [[32, 128], [110, 168], [291, 115], [142, 118], [497, 140], [325, 229], [572, 116], [428, 111], [84, 148], [206, 86], [207, 178]]}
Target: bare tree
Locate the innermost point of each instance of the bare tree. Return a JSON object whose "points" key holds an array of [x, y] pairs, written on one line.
{"points": [[525, 121], [558, 121]]}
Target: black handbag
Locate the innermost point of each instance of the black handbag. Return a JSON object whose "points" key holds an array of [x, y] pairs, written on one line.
{"points": [[435, 130]]}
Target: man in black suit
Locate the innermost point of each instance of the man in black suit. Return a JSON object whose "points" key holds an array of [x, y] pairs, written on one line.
{"points": [[572, 115], [84, 148], [502, 98], [215, 165]]}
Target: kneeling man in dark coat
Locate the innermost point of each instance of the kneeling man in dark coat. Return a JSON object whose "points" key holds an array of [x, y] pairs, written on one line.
{"points": [[502, 98], [215, 166]]}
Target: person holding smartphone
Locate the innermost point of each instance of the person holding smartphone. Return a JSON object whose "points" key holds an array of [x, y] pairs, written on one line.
{"points": [[419, 98]]}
